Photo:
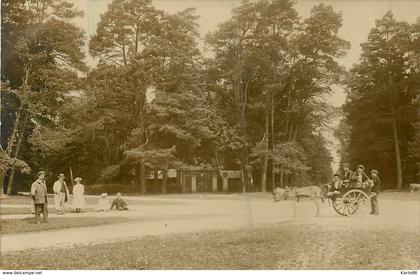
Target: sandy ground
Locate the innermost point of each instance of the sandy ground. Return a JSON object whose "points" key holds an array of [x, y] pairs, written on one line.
{"points": [[175, 214]]}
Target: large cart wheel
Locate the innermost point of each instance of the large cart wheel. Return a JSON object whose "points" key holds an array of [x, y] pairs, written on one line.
{"points": [[350, 202]]}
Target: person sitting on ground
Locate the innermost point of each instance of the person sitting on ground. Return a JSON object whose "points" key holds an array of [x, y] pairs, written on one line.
{"points": [[333, 188], [119, 203], [103, 204]]}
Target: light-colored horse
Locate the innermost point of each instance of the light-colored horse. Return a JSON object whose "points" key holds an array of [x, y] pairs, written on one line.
{"points": [[313, 192]]}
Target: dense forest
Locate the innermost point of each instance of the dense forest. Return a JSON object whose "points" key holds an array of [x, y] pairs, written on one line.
{"points": [[152, 101], [382, 111]]}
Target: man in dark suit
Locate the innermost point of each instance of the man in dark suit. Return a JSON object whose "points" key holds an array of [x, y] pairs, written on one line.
{"points": [[374, 192]]}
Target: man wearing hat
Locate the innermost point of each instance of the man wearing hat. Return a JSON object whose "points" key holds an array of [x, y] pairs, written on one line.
{"points": [[61, 194], [374, 192], [39, 197], [359, 177]]}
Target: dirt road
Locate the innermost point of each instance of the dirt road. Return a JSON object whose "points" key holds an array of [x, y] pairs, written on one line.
{"points": [[193, 214]]}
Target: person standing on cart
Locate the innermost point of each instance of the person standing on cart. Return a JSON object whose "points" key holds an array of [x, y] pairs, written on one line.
{"points": [[376, 181]]}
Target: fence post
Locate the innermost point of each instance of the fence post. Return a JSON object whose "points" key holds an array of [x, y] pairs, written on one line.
{"points": [[214, 182], [193, 182]]}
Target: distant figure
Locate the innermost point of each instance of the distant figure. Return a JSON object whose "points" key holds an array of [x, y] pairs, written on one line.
{"points": [[61, 194], [39, 197], [103, 204], [375, 192], [119, 203], [348, 174], [78, 193]]}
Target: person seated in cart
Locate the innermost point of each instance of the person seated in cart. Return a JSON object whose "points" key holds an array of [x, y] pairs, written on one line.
{"points": [[359, 177], [348, 174], [334, 187]]}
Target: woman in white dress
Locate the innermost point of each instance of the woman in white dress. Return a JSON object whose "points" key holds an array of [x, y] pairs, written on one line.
{"points": [[78, 193]]}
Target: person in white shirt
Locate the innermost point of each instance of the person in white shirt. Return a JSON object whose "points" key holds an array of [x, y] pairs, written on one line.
{"points": [[103, 204], [61, 194], [78, 195]]}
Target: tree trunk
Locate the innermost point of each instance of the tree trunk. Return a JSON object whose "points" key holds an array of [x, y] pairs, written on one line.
{"points": [[265, 158], [396, 142], [142, 177], [240, 94], [9, 149], [164, 180], [244, 149], [2, 173], [178, 180], [397, 154], [273, 183], [156, 178], [71, 178], [281, 177], [16, 155], [183, 181]]}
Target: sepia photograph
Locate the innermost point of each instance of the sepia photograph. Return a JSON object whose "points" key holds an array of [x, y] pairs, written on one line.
{"points": [[210, 135]]}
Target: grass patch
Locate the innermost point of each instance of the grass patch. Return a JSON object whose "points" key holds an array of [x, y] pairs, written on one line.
{"points": [[12, 226], [277, 247]]}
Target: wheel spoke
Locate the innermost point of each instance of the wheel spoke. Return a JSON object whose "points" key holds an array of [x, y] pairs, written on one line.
{"points": [[339, 209], [348, 209], [354, 209]]}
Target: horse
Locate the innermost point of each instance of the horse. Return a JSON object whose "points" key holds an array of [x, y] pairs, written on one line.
{"points": [[313, 192], [414, 187]]}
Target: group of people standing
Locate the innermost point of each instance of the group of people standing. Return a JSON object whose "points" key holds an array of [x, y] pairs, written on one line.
{"points": [[357, 179], [62, 197], [39, 200]]}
